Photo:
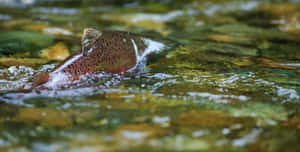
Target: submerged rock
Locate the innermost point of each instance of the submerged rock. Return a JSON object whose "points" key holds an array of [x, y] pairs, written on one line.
{"points": [[229, 39], [292, 122], [59, 51], [43, 117], [31, 62], [283, 15], [211, 119]]}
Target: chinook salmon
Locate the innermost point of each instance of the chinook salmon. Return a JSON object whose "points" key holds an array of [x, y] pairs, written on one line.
{"points": [[106, 51]]}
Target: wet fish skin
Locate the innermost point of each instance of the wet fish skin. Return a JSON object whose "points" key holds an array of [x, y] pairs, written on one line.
{"points": [[112, 52]]}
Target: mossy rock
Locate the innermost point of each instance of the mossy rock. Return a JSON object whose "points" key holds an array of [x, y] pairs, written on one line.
{"points": [[253, 32], [284, 51], [43, 116], [230, 49], [23, 41], [211, 119], [206, 56], [237, 29], [32, 62], [292, 122]]}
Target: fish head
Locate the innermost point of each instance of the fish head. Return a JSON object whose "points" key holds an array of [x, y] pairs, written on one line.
{"points": [[40, 79], [89, 37]]}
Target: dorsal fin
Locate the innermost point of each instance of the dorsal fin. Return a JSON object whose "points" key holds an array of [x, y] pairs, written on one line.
{"points": [[89, 36]]}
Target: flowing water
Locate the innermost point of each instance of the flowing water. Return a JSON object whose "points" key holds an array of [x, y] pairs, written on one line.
{"points": [[227, 78]]}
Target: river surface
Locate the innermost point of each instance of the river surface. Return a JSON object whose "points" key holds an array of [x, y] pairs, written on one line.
{"points": [[227, 80]]}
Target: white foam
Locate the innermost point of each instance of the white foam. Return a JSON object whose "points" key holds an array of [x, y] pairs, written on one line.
{"points": [[161, 76], [211, 9], [66, 11], [134, 135], [4, 17], [292, 64], [4, 142], [200, 133], [57, 80], [15, 77], [163, 121], [248, 139], [152, 46], [17, 3], [219, 98], [290, 93], [157, 17], [55, 30]]}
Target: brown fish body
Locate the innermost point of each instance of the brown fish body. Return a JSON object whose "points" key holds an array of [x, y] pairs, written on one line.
{"points": [[112, 52]]}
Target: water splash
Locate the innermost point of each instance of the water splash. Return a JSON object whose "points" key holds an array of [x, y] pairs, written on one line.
{"points": [[21, 77], [93, 84]]}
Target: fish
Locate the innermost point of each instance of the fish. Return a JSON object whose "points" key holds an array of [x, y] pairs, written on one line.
{"points": [[103, 55], [106, 51]]}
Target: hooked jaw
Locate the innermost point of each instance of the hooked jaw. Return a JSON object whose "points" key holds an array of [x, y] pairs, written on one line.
{"points": [[40, 79], [84, 47], [88, 38]]}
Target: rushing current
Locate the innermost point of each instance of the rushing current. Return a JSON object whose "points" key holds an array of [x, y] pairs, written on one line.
{"points": [[104, 60]]}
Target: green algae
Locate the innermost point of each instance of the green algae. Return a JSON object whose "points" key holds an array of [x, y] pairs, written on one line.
{"points": [[31, 62], [210, 119], [23, 41]]}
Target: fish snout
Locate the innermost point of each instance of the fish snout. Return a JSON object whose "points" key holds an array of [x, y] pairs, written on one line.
{"points": [[40, 79]]}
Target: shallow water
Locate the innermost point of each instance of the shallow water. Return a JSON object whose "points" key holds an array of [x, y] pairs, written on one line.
{"points": [[230, 80]]}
